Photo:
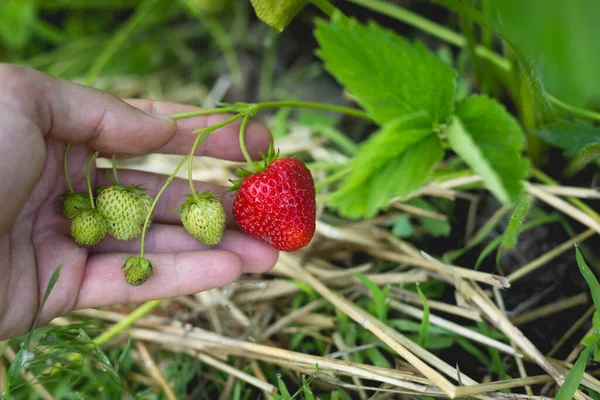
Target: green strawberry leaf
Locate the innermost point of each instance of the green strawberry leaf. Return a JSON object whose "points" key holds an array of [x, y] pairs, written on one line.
{"points": [[396, 160], [489, 140], [389, 76], [572, 137]]}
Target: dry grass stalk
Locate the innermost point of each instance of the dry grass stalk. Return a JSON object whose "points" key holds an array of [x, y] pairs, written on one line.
{"points": [[154, 371], [550, 309], [213, 318], [564, 207], [453, 327], [413, 298], [205, 341], [341, 345], [518, 360], [348, 233], [228, 369], [370, 323], [289, 318], [413, 210], [576, 326], [176, 338], [501, 385], [550, 255], [502, 323], [260, 375], [319, 321], [490, 279], [570, 191]]}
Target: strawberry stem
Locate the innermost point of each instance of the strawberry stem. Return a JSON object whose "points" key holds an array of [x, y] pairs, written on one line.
{"points": [[197, 143], [153, 206], [65, 167], [325, 6], [243, 142], [219, 125], [316, 106], [114, 170], [87, 178], [203, 112], [204, 133]]}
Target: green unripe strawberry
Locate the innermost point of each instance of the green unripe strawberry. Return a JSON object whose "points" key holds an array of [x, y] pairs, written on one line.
{"points": [[123, 209], [88, 227], [74, 203], [137, 270], [203, 216], [146, 201], [277, 13]]}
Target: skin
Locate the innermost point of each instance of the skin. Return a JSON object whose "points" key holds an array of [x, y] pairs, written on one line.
{"points": [[39, 114]]}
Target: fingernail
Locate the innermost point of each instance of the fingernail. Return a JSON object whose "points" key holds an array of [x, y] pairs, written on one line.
{"points": [[162, 117]]}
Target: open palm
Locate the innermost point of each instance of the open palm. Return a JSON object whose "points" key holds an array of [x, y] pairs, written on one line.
{"points": [[38, 116]]}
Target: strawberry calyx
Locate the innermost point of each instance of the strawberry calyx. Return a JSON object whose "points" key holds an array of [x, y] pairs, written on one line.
{"points": [[137, 270], [197, 198], [133, 188], [255, 168]]}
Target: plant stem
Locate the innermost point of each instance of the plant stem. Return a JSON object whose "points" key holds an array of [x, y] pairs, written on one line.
{"points": [[243, 141], [67, 179], [574, 110], [325, 6], [205, 111], [114, 170], [317, 106], [219, 125], [221, 37], [333, 177], [197, 143], [432, 28], [126, 322], [87, 178], [167, 182]]}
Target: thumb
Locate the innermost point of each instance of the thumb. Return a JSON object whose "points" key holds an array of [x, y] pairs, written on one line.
{"points": [[74, 113]]}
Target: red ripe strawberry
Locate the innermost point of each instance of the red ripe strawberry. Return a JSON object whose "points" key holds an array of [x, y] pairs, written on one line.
{"points": [[277, 203]]}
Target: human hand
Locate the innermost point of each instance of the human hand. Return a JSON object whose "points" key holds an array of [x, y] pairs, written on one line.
{"points": [[39, 114]]}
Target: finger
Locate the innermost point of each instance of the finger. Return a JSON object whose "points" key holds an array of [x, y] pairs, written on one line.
{"points": [[223, 143], [175, 274], [256, 255], [75, 113], [173, 197]]}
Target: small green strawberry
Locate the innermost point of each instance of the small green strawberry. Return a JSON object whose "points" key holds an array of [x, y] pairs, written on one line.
{"points": [[124, 209], [74, 203], [203, 216], [277, 13], [88, 227], [137, 270]]}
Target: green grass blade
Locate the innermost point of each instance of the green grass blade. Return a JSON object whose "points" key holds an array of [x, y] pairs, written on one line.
{"points": [[481, 235], [123, 354], [569, 387], [20, 360], [424, 331], [589, 277], [285, 394], [379, 296], [308, 394], [514, 225], [123, 33]]}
